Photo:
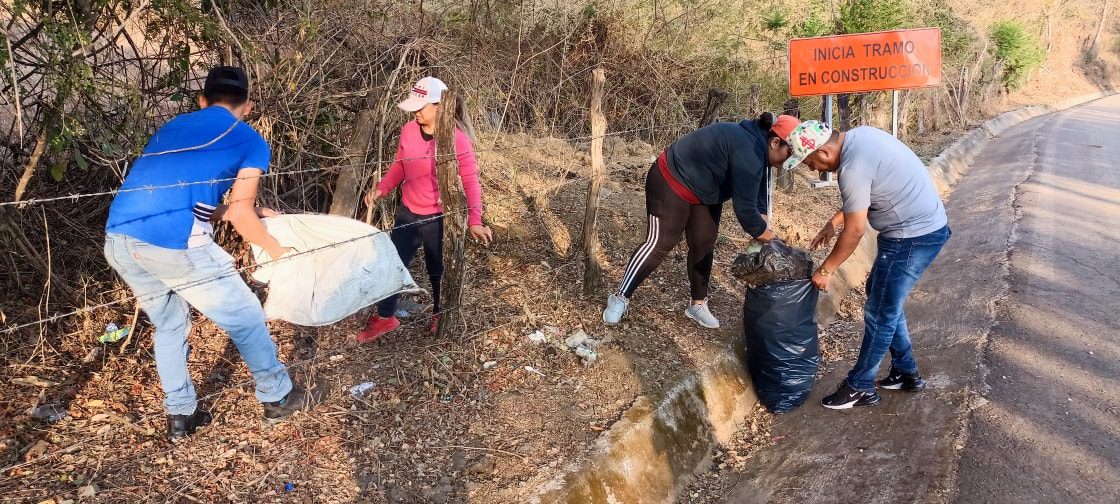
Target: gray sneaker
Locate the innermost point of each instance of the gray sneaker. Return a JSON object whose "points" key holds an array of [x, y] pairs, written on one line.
{"points": [[616, 307], [702, 315], [406, 307]]}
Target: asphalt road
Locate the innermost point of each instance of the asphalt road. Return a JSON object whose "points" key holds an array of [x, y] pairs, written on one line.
{"points": [[1017, 327], [1050, 430]]}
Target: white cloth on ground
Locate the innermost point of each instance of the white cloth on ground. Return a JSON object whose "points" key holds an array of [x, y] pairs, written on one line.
{"points": [[336, 267]]}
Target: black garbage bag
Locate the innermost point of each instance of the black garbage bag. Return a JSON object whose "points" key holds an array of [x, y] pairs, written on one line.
{"points": [[780, 324], [783, 351], [774, 262]]}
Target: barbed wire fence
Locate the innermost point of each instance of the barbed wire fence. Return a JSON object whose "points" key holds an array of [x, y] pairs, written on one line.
{"points": [[54, 318]]}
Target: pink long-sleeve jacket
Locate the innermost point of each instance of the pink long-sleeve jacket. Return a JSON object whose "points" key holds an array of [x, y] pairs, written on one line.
{"points": [[415, 166]]}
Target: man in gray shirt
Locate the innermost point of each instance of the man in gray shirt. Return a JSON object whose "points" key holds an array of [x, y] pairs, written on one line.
{"points": [[884, 184]]}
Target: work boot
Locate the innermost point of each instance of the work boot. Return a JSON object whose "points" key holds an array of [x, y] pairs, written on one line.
{"points": [[181, 426], [846, 397], [377, 327], [702, 315], [297, 399], [616, 308], [897, 380]]}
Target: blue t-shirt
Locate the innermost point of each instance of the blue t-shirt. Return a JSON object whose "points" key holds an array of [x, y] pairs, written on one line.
{"points": [[196, 147]]}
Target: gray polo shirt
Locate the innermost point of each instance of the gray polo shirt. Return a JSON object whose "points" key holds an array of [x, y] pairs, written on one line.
{"points": [[881, 174]]}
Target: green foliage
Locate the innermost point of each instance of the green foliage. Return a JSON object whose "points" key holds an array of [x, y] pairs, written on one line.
{"points": [[776, 21], [862, 16], [1019, 51], [95, 110], [959, 41], [590, 11], [812, 26], [4, 57]]}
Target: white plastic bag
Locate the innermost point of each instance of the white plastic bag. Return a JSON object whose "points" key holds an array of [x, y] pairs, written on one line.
{"points": [[336, 267]]}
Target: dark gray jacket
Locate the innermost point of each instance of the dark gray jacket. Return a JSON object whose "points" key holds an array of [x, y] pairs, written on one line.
{"points": [[726, 161]]}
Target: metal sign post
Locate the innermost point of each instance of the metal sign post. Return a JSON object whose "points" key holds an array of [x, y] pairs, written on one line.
{"points": [[826, 177], [894, 113]]}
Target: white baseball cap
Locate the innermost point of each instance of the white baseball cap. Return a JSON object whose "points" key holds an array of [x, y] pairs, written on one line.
{"points": [[426, 91], [804, 140]]}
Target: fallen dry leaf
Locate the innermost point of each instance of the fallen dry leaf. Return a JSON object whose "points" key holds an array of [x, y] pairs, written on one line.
{"points": [[37, 450], [33, 381], [88, 491]]}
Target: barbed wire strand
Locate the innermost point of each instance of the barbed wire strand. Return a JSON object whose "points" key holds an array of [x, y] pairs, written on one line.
{"points": [[202, 281], [150, 188], [206, 280]]}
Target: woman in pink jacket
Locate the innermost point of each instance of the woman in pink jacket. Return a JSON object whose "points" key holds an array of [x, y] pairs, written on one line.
{"points": [[420, 216]]}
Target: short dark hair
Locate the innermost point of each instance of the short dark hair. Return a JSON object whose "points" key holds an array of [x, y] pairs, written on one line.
{"points": [[226, 84]]}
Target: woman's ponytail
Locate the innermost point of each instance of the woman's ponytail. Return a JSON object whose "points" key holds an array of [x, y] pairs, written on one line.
{"points": [[462, 119], [766, 121]]}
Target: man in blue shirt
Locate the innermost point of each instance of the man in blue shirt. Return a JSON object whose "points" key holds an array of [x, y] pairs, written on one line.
{"points": [[159, 241]]}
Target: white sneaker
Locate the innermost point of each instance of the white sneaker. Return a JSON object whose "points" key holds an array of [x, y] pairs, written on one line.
{"points": [[616, 308], [702, 315]]}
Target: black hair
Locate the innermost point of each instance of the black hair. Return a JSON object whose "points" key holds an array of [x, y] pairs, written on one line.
{"points": [[765, 122], [226, 85]]}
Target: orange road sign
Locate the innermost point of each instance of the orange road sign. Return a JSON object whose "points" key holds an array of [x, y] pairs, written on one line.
{"points": [[882, 61]]}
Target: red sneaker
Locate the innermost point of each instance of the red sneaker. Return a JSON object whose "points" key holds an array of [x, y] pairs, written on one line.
{"points": [[435, 324], [377, 328]]}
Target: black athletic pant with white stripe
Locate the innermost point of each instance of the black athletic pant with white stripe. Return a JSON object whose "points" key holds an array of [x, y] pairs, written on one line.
{"points": [[669, 217]]}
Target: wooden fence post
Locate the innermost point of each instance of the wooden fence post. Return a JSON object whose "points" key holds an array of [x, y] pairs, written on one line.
{"points": [[784, 178], [593, 268], [715, 99], [348, 194], [454, 203], [756, 99], [792, 107]]}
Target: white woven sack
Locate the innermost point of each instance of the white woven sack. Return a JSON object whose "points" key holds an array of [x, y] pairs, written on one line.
{"points": [[337, 266]]}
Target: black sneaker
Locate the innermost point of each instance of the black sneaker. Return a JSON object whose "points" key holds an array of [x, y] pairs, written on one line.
{"points": [[897, 380], [845, 397], [296, 400], [181, 426]]}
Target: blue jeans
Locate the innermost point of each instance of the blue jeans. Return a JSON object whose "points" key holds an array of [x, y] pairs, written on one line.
{"points": [[166, 283], [899, 264]]}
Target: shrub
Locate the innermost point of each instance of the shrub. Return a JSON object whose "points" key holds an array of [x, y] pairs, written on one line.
{"points": [[862, 16], [960, 43], [812, 26], [1018, 51]]}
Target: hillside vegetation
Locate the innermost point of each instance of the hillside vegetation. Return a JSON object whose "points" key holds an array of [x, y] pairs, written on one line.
{"points": [[84, 83]]}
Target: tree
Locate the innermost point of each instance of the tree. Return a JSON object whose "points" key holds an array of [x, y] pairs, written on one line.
{"points": [[862, 16]]}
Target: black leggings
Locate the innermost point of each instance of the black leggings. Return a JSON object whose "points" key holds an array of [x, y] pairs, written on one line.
{"points": [[669, 216], [409, 238]]}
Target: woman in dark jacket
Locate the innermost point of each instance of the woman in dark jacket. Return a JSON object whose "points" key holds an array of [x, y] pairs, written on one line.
{"points": [[685, 191]]}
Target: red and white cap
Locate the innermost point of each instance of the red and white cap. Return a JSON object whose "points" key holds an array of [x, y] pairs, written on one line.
{"points": [[426, 91]]}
